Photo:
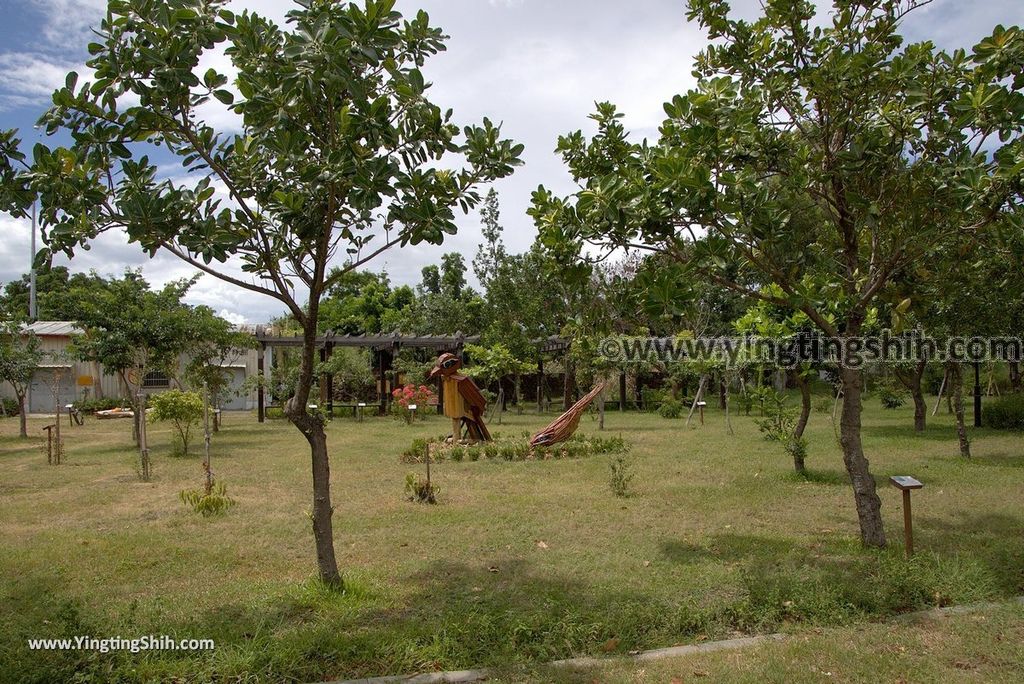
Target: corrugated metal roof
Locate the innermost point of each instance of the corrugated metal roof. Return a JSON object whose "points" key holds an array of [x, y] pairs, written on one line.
{"points": [[54, 328]]}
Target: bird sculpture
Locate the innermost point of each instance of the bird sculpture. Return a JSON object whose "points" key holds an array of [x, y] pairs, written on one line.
{"points": [[463, 402], [565, 425]]}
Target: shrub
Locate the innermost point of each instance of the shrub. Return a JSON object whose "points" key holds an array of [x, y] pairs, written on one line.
{"points": [[653, 398], [621, 475], [891, 397], [214, 503], [420, 490], [670, 408], [823, 405], [1005, 413], [417, 453], [183, 409], [404, 397], [10, 406], [744, 402]]}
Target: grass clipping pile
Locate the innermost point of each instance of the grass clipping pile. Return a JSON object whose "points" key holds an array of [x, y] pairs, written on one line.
{"points": [[516, 448]]}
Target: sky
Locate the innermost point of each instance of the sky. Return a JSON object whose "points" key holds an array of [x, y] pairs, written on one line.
{"points": [[536, 66]]}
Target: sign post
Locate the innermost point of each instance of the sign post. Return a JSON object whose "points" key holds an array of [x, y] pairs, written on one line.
{"points": [[906, 484]]}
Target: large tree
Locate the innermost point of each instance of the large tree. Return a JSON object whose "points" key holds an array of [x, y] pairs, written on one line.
{"points": [[336, 155], [133, 330], [883, 139]]}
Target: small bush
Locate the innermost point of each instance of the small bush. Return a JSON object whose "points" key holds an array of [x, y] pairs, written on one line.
{"points": [[214, 503], [10, 406], [823, 405], [621, 475], [891, 397], [419, 490], [417, 453], [745, 402], [515, 449], [1005, 413], [183, 409], [670, 408]]}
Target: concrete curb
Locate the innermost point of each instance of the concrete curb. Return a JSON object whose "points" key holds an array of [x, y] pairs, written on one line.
{"points": [[465, 676]]}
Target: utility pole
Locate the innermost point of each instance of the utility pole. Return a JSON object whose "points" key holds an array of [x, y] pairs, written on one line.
{"points": [[32, 312]]}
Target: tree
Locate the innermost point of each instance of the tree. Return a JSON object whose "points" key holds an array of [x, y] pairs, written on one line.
{"points": [[339, 156], [364, 303], [884, 140], [444, 304], [182, 409], [57, 290], [133, 330], [216, 344], [770, 321], [494, 364], [20, 356]]}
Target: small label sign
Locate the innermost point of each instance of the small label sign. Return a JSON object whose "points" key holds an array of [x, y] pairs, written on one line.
{"points": [[905, 482]]}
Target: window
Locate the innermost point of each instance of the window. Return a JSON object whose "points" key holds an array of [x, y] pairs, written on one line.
{"points": [[156, 380]]}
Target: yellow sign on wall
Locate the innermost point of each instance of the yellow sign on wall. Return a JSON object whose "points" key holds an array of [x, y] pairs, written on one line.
{"points": [[84, 381]]}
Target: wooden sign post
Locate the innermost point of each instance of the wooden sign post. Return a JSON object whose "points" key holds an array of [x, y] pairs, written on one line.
{"points": [[906, 484]]}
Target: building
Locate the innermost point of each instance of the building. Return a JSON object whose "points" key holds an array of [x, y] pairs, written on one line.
{"points": [[74, 379]]}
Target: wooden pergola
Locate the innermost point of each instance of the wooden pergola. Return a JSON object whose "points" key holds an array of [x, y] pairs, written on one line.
{"points": [[386, 347]]}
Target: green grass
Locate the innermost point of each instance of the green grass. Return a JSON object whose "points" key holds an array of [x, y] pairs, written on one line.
{"points": [[717, 538], [980, 647]]}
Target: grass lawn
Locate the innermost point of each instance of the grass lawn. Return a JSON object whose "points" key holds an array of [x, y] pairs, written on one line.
{"points": [[980, 647], [522, 562]]}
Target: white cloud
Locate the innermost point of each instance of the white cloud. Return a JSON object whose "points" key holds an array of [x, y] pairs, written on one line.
{"points": [[68, 20], [30, 78]]}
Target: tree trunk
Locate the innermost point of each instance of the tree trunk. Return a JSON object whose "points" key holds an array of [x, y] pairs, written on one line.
{"points": [[312, 428], [920, 407], [567, 386], [956, 374], [723, 390], [1015, 376], [869, 505], [805, 404], [22, 415]]}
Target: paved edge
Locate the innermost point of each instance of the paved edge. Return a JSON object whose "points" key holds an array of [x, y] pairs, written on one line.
{"points": [[466, 676]]}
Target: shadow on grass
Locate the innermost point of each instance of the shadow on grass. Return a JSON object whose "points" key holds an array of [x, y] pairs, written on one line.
{"points": [[726, 548], [936, 433], [824, 477]]}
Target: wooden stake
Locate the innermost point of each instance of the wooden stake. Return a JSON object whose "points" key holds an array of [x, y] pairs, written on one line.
{"points": [[700, 395], [942, 388]]}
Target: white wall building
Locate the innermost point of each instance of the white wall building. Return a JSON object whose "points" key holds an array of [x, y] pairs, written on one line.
{"points": [[75, 379]]}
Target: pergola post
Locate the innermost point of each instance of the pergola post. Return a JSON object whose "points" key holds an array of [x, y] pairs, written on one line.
{"points": [[540, 384], [382, 380], [396, 347], [261, 405], [622, 390]]}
